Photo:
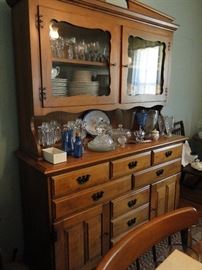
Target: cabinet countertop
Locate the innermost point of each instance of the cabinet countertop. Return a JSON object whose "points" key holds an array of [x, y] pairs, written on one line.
{"points": [[92, 158]]}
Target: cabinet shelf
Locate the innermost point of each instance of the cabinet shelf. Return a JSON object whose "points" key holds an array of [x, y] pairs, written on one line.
{"points": [[79, 62]]}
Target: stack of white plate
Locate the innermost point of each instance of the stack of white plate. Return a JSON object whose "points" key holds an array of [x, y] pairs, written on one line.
{"points": [[59, 87], [83, 88], [82, 76], [83, 85]]}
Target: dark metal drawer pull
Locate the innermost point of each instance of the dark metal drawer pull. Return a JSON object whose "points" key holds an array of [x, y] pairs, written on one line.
{"points": [[168, 153], [159, 172], [83, 179], [132, 164], [132, 203], [131, 222], [98, 195]]}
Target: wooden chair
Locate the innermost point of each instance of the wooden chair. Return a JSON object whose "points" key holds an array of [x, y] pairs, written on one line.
{"points": [[142, 239], [178, 128]]}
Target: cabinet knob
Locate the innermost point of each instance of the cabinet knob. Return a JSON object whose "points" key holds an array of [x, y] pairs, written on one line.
{"points": [[131, 222], [98, 195], [83, 179], [132, 203], [168, 153], [112, 64], [132, 164], [159, 172], [125, 66]]}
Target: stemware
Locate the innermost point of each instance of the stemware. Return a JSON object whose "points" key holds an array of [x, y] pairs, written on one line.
{"points": [[161, 125], [169, 125]]}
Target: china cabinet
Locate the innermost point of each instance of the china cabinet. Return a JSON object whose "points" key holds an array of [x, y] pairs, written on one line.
{"points": [[96, 46], [75, 211], [72, 57]]}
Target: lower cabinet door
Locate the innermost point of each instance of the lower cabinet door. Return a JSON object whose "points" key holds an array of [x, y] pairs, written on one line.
{"points": [[82, 239], [164, 195]]}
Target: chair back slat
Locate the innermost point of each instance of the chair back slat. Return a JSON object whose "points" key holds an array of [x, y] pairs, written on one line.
{"points": [[178, 128]]}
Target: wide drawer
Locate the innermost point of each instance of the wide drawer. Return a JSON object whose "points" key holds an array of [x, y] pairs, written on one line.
{"points": [[129, 220], [130, 164], [130, 201], [166, 153], [86, 198], [156, 173], [79, 179]]}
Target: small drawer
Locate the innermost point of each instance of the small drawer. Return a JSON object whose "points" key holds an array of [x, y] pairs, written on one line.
{"points": [[90, 197], [130, 201], [130, 164], [166, 153], [79, 179], [156, 173], [130, 220], [118, 238]]}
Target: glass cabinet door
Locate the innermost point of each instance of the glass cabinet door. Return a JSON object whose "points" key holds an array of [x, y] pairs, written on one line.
{"points": [[145, 67], [79, 59]]}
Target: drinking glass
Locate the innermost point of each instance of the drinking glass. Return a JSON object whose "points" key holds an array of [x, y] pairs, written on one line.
{"points": [[169, 125]]}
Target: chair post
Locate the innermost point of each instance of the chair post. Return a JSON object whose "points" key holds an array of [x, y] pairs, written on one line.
{"points": [[185, 239]]}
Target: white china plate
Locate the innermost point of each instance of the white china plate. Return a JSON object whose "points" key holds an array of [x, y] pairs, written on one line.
{"points": [[91, 119]]}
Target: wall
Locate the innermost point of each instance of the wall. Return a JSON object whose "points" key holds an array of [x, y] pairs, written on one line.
{"points": [[10, 210], [185, 100]]}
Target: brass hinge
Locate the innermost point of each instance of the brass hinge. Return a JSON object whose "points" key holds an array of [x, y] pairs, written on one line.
{"points": [[39, 21], [42, 93]]}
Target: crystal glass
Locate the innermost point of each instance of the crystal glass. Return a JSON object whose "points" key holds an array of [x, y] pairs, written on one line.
{"points": [[118, 134], [49, 133], [169, 125], [161, 125]]}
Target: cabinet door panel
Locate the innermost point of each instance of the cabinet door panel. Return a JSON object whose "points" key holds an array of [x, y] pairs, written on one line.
{"points": [[145, 64], [94, 229], [79, 242], [80, 80], [75, 239], [164, 195]]}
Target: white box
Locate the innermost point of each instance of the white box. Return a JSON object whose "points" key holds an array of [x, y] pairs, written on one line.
{"points": [[54, 155]]}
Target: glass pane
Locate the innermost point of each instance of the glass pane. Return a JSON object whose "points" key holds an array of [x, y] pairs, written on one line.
{"points": [[80, 60], [146, 65]]}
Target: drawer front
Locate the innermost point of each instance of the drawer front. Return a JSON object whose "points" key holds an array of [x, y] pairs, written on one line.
{"points": [[130, 164], [79, 179], [130, 201], [166, 153], [156, 173], [93, 196], [130, 220]]}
